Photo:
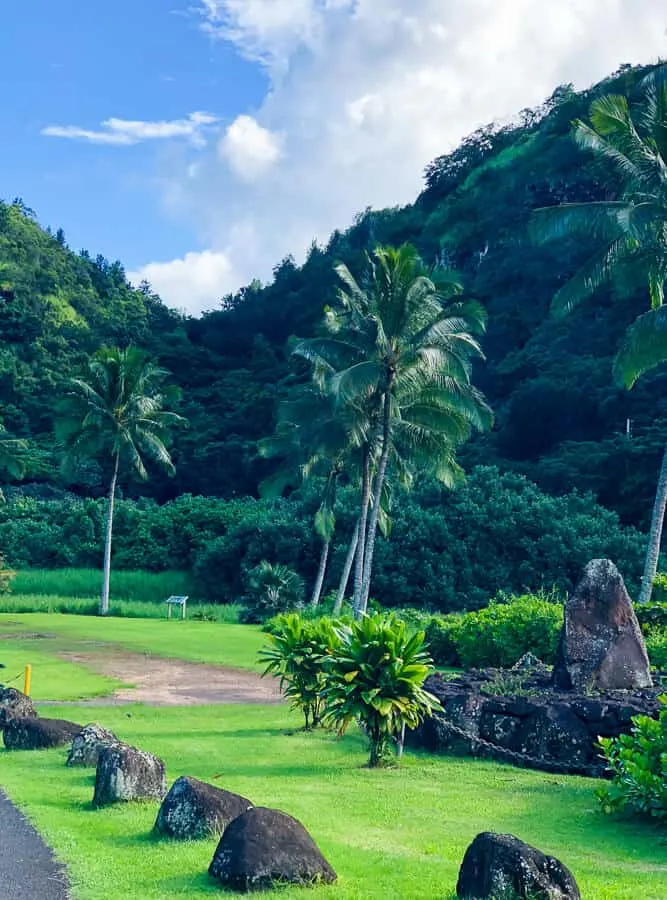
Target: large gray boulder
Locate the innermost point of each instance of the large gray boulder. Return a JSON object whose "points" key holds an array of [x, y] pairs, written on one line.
{"points": [[499, 866], [601, 645], [14, 705], [193, 809], [88, 744], [126, 773], [263, 848], [33, 733]]}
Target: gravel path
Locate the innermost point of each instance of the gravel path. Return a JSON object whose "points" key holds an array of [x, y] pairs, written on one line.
{"points": [[27, 868]]}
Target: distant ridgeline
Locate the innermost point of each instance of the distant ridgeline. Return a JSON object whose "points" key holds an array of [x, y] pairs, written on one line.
{"points": [[560, 420]]}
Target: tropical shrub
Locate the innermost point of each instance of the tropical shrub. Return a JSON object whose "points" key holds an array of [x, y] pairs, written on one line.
{"points": [[638, 763], [656, 647], [449, 550], [442, 639], [295, 653], [654, 613], [500, 634], [271, 588], [376, 676], [6, 576]]}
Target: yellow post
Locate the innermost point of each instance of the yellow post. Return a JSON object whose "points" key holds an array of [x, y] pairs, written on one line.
{"points": [[26, 683]]}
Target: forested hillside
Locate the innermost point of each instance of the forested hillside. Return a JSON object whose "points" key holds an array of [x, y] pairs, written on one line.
{"points": [[559, 418]]}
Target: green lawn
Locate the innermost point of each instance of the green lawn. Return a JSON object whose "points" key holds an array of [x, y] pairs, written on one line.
{"points": [[396, 834], [209, 642], [389, 834], [52, 678]]}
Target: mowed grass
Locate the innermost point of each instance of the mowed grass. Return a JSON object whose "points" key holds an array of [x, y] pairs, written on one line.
{"points": [[235, 646], [393, 834], [52, 678]]}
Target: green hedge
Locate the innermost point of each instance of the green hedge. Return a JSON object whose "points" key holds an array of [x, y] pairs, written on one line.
{"points": [[501, 633], [449, 550]]}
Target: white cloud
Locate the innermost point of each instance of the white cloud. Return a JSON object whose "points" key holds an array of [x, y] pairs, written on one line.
{"points": [[250, 150], [192, 283], [123, 132], [267, 30], [364, 93]]}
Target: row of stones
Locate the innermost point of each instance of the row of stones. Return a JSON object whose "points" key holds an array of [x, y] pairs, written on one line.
{"points": [[260, 847]]}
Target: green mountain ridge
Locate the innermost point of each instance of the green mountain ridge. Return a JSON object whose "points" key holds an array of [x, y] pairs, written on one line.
{"points": [[560, 419]]}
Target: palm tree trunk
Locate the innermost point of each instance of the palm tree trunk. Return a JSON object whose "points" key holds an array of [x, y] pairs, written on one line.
{"points": [[377, 500], [361, 542], [104, 601], [319, 581], [655, 534], [347, 568]]}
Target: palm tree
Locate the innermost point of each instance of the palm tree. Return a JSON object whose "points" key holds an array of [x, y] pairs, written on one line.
{"points": [[400, 354], [313, 439], [116, 412], [632, 232]]}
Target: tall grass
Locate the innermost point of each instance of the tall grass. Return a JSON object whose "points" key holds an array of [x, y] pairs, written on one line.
{"points": [[134, 594], [129, 609], [149, 587]]}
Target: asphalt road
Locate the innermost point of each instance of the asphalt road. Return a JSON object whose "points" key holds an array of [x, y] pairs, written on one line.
{"points": [[27, 868]]}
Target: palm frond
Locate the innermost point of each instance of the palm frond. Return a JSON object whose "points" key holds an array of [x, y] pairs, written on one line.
{"points": [[644, 347], [596, 272]]}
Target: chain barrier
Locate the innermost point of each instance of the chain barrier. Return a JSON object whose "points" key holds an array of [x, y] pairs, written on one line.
{"points": [[547, 764]]}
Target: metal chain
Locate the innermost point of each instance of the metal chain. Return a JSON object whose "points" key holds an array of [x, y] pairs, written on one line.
{"points": [[549, 764]]}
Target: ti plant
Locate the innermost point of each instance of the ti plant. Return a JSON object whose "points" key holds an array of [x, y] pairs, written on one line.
{"points": [[296, 653], [376, 676]]}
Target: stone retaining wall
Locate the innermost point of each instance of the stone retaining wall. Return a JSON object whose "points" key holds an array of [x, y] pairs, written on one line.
{"points": [[551, 730]]}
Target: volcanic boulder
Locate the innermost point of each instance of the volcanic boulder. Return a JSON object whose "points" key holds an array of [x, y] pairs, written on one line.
{"points": [[88, 744], [601, 644], [126, 773], [265, 847], [14, 705], [193, 809], [500, 865], [38, 734]]}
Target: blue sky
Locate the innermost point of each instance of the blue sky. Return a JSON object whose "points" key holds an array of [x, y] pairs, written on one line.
{"points": [[200, 141], [80, 62]]}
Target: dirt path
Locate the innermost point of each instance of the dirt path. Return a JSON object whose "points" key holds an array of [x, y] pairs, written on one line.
{"points": [[172, 682], [27, 868]]}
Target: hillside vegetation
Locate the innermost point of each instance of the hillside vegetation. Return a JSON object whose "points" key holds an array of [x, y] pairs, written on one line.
{"points": [[560, 420]]}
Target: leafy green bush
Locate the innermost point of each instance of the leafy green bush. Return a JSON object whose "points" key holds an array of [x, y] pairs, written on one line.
{"points": [[453, 550], [270, 589], [659, 589], [653, 614], [500, 634], [448, 550], [296, 653], [638, 762], [442, 639], [656, 646], [6, 576], [376, 676]]}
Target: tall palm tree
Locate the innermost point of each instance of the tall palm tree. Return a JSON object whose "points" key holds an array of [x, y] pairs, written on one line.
{"points": [[632, 233], [313, 439], [399, 352], [116, 413]]}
